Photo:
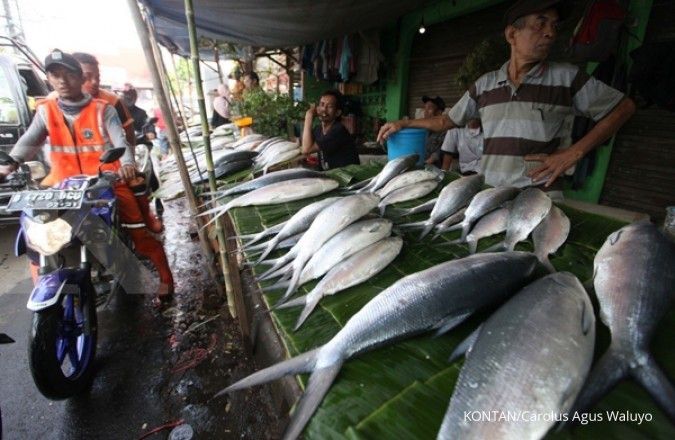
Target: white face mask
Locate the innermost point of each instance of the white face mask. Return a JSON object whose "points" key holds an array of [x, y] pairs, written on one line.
{"points": [[474, 131]]}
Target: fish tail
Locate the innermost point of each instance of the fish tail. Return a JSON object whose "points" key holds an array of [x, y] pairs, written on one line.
{"points": [[293, 286], [456, 227], [655, 381], [299, 301], [303, 363], [319, 383], [275, 286], [465, 230], [413, 225], [383, 208], [281, 272], [426, 230], [215, 217], [473, 246], [609, 370], [547, 263], [310, 303], [397, 212], [497, 247], [270, 247], [276, 264]]}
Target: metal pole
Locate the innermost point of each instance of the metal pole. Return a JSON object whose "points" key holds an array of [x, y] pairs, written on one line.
{"points": [[172, 131], [194, 55]]}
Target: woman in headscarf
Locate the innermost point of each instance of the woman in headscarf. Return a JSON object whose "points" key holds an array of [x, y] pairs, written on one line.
{"points": [[221, 107]]}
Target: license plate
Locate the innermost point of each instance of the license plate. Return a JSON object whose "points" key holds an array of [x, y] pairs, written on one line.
{"points": [[46, 200]]}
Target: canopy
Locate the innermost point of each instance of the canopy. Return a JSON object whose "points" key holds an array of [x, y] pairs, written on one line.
{"points": [[271, 24]]}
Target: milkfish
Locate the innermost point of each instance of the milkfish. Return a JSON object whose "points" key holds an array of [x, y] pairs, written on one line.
{"points": [[410, 192], [529, 208], [329, 222], [634, 281], [345, 243], [456, 195], [299, 222], [406, 179], [490, 224], [530, 357], [267, 143], [422, 207], [550, 234], [268, 179], [275, 193], [452, 223], [222, 170], [440, 297], [484, 202], [232, 156], [392, 169], [353, 270], [281, 158]]}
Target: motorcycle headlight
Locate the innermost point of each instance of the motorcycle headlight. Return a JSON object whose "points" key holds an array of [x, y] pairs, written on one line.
{"points": [[47, 238]]}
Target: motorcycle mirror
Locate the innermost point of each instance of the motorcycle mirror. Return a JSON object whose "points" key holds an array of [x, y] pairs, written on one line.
{"points": [[4, 339], [6, 159], [112, 155], [37, 170]]}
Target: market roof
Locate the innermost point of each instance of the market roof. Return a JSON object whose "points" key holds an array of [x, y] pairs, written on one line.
{"points": [[271, 24]]}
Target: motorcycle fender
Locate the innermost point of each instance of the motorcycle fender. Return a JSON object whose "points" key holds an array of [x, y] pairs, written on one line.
{"points": [[49, 290], [20, 244]]}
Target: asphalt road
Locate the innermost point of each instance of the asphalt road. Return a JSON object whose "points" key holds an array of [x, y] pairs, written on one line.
{"points": [[127, 395]]}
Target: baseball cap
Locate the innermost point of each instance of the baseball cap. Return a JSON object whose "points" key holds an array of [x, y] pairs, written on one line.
{"points": [[437, 100], [522, 8], [66, 60]]}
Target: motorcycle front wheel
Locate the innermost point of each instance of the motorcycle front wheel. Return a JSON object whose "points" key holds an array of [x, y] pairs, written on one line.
{"points": [[62, 347]]}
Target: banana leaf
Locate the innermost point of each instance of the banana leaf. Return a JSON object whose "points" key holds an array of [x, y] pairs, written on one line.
{"points": [[403, 390]]}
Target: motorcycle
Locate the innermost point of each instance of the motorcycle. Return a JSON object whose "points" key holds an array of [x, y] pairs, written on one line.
{"points": [[144, 162], [72, 233], [4, 339]]}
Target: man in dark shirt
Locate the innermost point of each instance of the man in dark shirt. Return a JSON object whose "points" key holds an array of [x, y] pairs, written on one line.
{"points": [[330, 139]]}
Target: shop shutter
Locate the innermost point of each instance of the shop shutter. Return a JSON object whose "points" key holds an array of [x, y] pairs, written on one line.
{"points": [[641, 174]]}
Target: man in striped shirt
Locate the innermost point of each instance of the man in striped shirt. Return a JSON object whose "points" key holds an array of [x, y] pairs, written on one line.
{"points": [[527, 107]]}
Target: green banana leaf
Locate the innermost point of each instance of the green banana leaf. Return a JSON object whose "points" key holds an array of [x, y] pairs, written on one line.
{"points": [[403, 390]]}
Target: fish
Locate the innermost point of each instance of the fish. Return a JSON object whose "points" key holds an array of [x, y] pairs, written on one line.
{"points": [[284, 244], [299, 222], [550, 234], [440, 297], [256, 237], [392, 169], [532, 355], [422, 207], [281, 158], [224, 169], [410, 192], [269, 142], [452, 223], [359, 185], [345, 243], [329, 222], [529, 208], [484, 202], [248, 139], [634, 282], [490, 224], [454, 196], [359, 267], [233, 156], [268, 179], [405, 179], [275, 193]]}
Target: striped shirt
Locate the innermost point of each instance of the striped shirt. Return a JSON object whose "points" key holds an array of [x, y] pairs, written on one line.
{"points": [[534, 118]]}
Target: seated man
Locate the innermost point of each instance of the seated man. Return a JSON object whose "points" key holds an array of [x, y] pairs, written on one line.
{"points": [[432, 146], [330, 139], [80, 129], [467, 143]]}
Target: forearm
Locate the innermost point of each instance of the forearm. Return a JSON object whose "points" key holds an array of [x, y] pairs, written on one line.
{"points": [[435, 123], [604, 129], [32, 140], [118, 136], [447, 162], [308, 145]]}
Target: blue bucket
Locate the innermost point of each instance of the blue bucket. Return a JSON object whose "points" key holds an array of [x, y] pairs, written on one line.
{"points": [[407, 141]]}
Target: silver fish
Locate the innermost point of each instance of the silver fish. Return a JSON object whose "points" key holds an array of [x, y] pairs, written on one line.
{"points": [[452, 223], [410, 192], [284, 244], [440, 297], [406, 179], [452, 198], [299, 222], [281, 158], [268, 179], [392, 169], [275, 193], [532, 355], [635, 282], [422, 207], [484, 202], [528, 210], [550, 234], [354, 270], [491, 224]]}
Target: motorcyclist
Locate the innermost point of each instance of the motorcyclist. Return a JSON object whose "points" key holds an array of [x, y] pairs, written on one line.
{"points": [[80, 129]]}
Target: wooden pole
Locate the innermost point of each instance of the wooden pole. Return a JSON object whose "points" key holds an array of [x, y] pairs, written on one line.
{"points": [[144, 36], [194, 55]]}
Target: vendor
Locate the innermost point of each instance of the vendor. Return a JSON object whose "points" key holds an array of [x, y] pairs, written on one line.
{"points": [[526, 107], [432, 145], [466, 143], [330, 138]]}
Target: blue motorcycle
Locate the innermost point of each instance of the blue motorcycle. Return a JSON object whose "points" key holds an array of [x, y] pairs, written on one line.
{"points": [[71, 233]]}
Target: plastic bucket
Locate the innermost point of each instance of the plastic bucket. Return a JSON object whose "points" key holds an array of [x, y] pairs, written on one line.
{"points": [[407, 141]]}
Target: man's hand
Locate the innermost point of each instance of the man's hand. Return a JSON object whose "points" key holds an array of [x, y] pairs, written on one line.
{"points": [[311, 112], [553, 165], [127, 172], [388, 129], [6, 170]]}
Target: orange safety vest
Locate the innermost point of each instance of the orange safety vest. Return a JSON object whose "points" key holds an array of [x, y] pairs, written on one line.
{"points": [[77, 151]]}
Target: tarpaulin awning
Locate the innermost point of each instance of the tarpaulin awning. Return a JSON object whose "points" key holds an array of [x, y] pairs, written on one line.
{"points": [[271, 24]]}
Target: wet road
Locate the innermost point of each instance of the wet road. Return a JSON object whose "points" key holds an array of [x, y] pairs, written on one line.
{"points": [[127, 396]]}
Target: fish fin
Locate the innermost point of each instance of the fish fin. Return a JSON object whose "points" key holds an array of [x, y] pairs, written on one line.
{"points": [[303, 363], [473, 246], [465, 230], [299, 301], [311, 302], [496, 247], [426, 230], [654, 380], [609, 370], [450, 322], [318, 385], [464, 347]]}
